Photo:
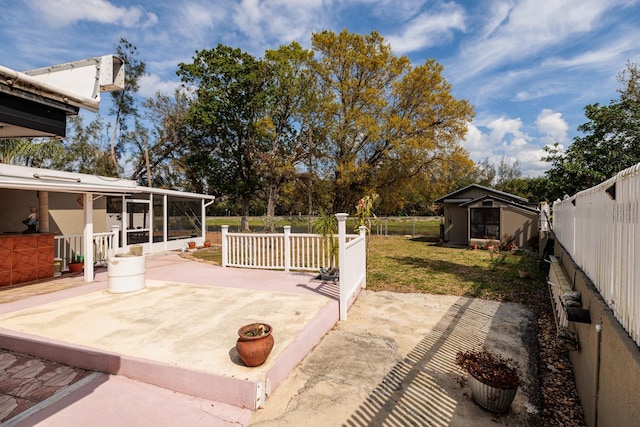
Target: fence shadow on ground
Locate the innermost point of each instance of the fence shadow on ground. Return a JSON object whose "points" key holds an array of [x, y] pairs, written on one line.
{"points": [[417, 390]]}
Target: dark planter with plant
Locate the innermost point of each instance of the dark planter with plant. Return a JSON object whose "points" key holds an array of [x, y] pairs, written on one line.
{"points": [[76, 264], [493, 379]]}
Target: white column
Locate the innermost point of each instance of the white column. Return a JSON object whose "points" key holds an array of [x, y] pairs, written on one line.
{"points": [[342, 263], [87, 206], [165, 220], [287, 248], [115, 229], [225, 247]]}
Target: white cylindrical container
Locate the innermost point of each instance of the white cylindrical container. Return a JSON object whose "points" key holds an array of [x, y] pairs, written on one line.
{"points": [[126, 274]]}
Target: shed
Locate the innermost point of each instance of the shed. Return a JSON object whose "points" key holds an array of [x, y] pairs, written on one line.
{"points": [[478, 214]]}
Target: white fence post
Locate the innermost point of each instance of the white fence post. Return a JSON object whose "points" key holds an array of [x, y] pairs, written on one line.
{"points": [[225, 245], [115, 247], [287, 248], [363, 234], [342, 262]]}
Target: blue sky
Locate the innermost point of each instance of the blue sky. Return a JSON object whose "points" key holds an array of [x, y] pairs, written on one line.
{"points": [[529, 67]]}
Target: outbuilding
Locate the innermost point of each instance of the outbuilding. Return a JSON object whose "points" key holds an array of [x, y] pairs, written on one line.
{"points": [[481, 215]]}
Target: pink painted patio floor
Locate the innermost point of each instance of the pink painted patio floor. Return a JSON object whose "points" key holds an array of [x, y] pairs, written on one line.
{"points": [[178, 335]]}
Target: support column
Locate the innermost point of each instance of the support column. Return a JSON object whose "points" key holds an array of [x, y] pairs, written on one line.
{"points": [[87, 241], [43, 211]]}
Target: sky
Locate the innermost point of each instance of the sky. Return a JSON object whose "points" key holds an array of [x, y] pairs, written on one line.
{"points": [[528, 67]]}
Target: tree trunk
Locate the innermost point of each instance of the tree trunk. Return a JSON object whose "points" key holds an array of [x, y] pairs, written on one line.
{"points": [[271, 205], [244, 222]]}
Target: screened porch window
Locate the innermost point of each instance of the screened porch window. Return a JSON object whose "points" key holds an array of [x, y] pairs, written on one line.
{"points": [[485, 223]]}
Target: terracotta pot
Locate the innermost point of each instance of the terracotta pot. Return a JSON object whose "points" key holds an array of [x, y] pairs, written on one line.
{"points": [[254, 350], [207, 244], [76, 267], [473, 247], [192, 245], [523, 274], [492, 398]]}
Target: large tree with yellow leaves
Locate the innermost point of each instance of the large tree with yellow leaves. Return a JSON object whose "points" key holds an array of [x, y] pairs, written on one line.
{"points": [[390, 125]]}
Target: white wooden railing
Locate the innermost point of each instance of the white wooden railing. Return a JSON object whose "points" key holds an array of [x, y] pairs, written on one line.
{"points": [[600, 228], [70, 248], [307, 252]]}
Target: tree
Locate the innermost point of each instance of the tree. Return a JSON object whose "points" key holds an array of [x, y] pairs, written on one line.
{"points": [[124, 102], [291, 122], [30, 152], [165, 166], [226, 115], [610, 141], [385, 119], [86, 149]]}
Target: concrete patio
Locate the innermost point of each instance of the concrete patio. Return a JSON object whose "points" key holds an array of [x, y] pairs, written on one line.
{"points": [[391, 363], [178, 333]]}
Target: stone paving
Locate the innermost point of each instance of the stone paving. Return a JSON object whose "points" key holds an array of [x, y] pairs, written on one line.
{"points": [[26, 381]]}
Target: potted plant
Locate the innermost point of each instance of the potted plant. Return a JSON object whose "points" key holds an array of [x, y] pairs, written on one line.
{"points": [[192, 245], [523, 272], [76, 264], [327, 226], [207, 244], [493, 379], [254, 343]]}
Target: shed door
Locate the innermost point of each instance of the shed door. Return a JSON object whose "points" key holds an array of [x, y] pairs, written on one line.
{"points": [[485, 223]]}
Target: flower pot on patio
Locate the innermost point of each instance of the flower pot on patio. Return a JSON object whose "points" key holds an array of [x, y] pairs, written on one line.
{"points": [[207, 244], [76, 267], [192, 245], [126, 274], [254, 343], [493, 380]]}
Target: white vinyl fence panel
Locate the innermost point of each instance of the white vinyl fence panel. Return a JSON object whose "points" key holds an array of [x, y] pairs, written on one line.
{"points": [[306, 252], [600, 228]]}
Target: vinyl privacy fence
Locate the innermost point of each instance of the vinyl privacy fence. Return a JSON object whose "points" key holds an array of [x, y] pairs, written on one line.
{"points": [[600, 228]]}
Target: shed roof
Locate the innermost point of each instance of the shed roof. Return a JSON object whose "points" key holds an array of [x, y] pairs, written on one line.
{"points": [[457, 196]]}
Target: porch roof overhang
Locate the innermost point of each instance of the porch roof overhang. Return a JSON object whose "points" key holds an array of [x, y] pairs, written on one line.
{"points": [[38, 179], [36, 103]]}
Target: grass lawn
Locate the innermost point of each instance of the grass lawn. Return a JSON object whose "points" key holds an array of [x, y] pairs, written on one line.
{"points": [[402, 264]]}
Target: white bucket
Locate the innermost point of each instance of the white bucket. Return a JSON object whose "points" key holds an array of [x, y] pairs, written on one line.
{"points": [[126, 274]]}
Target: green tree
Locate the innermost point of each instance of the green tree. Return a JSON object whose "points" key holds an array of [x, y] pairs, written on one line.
{"points": [[609, 144], [125, 104], [385, 119], [36, 152], [291, 121], [166, 146], [227, 117]]}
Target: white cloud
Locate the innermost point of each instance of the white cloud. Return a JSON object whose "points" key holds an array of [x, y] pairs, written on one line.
{"points": [[502, 127], [553, 125], [504, 138], [529, 27], [151, 83], [60, 13], [428, 29]]}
